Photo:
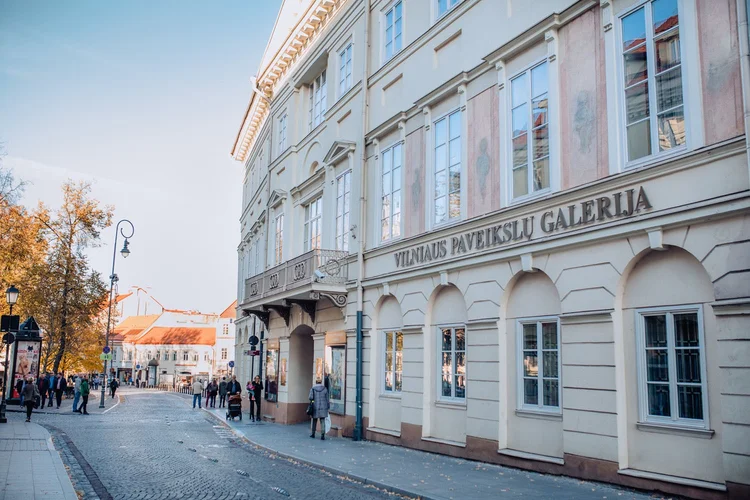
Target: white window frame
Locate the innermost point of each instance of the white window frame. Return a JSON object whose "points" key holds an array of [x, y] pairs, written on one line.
{"points": [[674, 420], [394, 35], [225, 329], [684, 24], [529, 132], [166, 355], [392, 151], [313, 221], [433, 182], [439, 364], [346, 56], [174, 355], [343, 200], [224, 353], [318, 99], [540, 406], [392, 350], [278, 241], [450, 5], [282, 133], [185, 356]]}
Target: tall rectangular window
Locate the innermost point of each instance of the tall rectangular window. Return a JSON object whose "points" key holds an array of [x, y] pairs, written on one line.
{"points": [[391, 193], [278, 242], [185, 356], [174, 355], [672, 367], [539, 383], [313, 212], [443, 6], [345, 70], [317, 105], [166, 355], [282, 133], [225, 329], [453, 362], [530, 131], [223, 353], [393, 28], [652, 70], [448, 168], [343, 194], [394, 348], [257, 257]]}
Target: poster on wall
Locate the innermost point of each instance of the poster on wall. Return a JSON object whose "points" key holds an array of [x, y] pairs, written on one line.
{"points": [[318, 369], [272, 389], [336, 372], [27, 359], [282, 372]]}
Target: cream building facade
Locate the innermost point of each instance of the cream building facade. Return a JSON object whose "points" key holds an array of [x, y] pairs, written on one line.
{"points": [[508, 231]]}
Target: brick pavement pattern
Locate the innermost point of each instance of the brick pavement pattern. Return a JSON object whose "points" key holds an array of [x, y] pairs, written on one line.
{"points": [[154, 446]]}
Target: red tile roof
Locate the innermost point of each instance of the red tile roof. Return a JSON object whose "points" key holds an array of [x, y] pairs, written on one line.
{"points": [[132, 326], [166, 335], [230, 312]]}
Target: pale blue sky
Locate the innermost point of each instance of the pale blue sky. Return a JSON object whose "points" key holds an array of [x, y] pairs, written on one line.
{"points": [[144, 98]]}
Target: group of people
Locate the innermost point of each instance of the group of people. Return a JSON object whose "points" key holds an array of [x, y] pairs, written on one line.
{"points": [[319, 398]]}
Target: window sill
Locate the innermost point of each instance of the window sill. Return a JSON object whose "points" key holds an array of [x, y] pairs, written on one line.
{"points": [[444, 441], [387, 432], [451, 405], [540, 415], [531, 456], [530, 197], [654, 159], [675, 430], [392, 397]]}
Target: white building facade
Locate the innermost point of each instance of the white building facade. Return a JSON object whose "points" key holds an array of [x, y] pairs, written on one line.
{"points": [[508, 231]]}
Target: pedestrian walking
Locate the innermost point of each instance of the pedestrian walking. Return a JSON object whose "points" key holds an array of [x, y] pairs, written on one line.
{"points": [[214, 386], [234, 387], [223, 392], [45, 383], [61, 385], [20, 384], [85, 390], [76, 393], [113, 385], [255, 388], [197, 390], [96, 382], [51, 390], [320, 404], [30, 393]]}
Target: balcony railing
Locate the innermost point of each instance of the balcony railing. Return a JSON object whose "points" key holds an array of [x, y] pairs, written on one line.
{"points": [[327, 267]]}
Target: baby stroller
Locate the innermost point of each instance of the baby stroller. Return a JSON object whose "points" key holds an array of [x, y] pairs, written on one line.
{"points": [[234, 406]]}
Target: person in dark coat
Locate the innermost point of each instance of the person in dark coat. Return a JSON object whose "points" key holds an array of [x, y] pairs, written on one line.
{"points": [[223, 392], [30, 393], [321, 404], [44, 388], [113, 385], [255, 388], [61, 385], [234, 387]]}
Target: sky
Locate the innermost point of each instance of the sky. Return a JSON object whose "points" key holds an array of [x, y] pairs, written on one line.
{"points": [[143, 99]]}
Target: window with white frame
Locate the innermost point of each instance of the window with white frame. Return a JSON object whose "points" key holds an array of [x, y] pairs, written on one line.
{"points": [[185, 356], [166, 355], [158, 355], [539, 356], [282, 133], [390, 214], [257, 257], [448, 168], [653, 87], [317, 105], [174, 355], [453, 362], [672, 380], [345, 70], [205, 357], [223, 353], [393, 28], [195, 357], [278, 241], [444, 6], [225, 329], [530, 131], [393, 367], [130, 355], [343, 194], [313, 212]]}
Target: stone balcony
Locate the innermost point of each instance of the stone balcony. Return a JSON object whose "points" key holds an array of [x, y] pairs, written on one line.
{"points": [[300, 281]]}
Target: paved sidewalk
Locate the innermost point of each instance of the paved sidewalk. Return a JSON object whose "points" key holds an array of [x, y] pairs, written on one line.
{"points": [[30, 467], [412, 472], [66, 406]]}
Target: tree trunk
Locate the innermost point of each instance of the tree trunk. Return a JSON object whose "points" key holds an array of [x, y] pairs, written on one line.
{"points": [[63, 322]]}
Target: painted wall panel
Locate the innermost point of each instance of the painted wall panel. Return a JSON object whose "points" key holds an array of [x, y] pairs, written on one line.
{"points": [[483, 170], [414, 194]]}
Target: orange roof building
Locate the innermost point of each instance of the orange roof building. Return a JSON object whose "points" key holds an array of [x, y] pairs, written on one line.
{"points": [[178, 335]]}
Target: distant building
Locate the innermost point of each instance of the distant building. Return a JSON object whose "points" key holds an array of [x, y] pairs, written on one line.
{"points": [[225, 337]]}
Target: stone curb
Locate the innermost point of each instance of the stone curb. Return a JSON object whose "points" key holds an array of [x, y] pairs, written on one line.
{"points": [[327, 468]]}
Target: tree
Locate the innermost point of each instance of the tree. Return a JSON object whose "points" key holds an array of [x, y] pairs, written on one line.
{"points": [[72, 291]]}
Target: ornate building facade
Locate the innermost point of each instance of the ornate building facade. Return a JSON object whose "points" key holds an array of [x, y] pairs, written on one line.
{"points": [[509, 231]]}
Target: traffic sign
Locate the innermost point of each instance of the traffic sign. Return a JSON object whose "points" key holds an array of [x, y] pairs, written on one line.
{"points": [[9, 338], [9, 323], [105, 357], [106, 349], [231, 364], [137, 367], [254, 340]]}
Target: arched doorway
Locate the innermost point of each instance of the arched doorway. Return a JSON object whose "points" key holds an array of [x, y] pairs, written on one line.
{"points": [[300, 373]]}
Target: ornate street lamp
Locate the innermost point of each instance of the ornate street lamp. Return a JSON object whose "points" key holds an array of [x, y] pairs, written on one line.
{"points": [[112, 280], [11, 296]]}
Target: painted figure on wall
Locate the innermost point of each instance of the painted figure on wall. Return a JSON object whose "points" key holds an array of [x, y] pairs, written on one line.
{"points": [[483, 167], [416, 188]]}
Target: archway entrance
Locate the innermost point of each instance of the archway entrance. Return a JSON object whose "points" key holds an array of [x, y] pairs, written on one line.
{"points": [[300, 373]]}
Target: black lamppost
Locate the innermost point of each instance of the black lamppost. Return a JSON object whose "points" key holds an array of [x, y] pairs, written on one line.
{"points": [[11, 296], [112, 280]]}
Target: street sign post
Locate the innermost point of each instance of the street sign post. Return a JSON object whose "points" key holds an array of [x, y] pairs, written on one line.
{"points": [[106, 349], [105, 357]]}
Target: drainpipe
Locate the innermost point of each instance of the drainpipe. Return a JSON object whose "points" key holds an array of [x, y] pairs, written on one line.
{"points": [[362, 229], [742, 12]]}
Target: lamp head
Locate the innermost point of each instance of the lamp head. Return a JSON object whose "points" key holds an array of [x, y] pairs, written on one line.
{"points": [[125, 251], [11, 295]]}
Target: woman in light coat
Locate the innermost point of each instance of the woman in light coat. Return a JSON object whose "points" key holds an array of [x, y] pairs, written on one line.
{"points": [[321, 404]]}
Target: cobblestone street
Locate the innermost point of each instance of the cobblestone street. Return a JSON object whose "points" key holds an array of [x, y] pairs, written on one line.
{"points": [[155, 446]]}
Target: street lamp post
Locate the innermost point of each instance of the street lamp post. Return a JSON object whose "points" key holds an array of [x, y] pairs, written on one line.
{"points": [[11, 296], [112, 280]]}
